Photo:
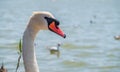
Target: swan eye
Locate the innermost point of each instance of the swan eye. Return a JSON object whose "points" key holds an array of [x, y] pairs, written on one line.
{"points": [[57, 22], [50, 20]]}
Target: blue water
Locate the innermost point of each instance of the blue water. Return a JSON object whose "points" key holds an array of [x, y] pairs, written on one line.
{"points": [[90, 26]]}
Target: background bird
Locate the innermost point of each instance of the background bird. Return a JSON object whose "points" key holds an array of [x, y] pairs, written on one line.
{"points": [[55, 50]]}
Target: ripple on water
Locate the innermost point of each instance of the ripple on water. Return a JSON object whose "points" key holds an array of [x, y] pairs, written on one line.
{"points": [[9, 45], [104, 68], [75, 64], [114, 53], [85, 54], [73, 46], [70, 46]]}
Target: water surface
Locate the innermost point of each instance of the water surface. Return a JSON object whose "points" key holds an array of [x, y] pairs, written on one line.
{"points": [[90, 26]]}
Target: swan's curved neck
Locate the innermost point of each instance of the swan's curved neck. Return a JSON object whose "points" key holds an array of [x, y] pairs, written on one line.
{"points": [[29, 57]]}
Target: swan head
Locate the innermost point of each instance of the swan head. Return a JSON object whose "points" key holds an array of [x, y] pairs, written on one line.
{"points": [[45, 21]]}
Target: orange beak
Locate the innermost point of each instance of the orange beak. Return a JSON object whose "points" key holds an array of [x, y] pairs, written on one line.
{"points": [[53, 27]]}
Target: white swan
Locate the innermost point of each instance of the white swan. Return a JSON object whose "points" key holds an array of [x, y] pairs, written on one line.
{"points": [[55, 50], [38, 21], [117, 37]]}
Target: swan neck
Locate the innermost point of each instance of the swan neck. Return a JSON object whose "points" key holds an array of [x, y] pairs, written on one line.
{"points": [[29, 57]]}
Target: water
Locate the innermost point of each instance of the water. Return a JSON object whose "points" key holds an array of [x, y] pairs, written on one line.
{"points": [[90, 26]]}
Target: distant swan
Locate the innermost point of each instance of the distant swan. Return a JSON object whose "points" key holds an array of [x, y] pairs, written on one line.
{"points": [[117, 37], [55, 50], [38, 21]]}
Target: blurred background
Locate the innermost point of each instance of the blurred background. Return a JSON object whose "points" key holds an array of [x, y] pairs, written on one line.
{"points": [[90, 26]]}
